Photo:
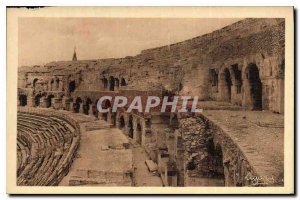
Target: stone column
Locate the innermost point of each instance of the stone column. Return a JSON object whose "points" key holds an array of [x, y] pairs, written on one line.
{"points": [[99, 116], [66, 103], [71, 107], [31, 102], [43, 102], [109, 114], [91, 110], [81, 108]]}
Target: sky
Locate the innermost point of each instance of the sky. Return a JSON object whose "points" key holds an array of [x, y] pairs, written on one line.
{"points": [[42, 40]]}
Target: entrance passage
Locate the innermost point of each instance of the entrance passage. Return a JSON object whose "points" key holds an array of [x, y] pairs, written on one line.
{"points": [[255, 87], [139, 133], [130, 126], [228, 84], [121, 122]]}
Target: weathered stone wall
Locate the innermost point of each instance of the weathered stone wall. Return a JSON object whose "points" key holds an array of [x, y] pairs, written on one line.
{"points": [[183, 67], [210, 157]]}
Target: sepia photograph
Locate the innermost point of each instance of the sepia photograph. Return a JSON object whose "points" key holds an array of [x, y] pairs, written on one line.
{"points": [[111, 98]]}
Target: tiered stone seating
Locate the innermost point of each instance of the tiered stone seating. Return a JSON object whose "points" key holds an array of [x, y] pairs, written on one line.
{"points": [[46, 146]]}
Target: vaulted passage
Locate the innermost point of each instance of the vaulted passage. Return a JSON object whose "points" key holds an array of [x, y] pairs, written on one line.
{"points": [[123, 82], [23, 100], [139, 133], [130, 126], [87, 105], [121, 122], [111, 83], [255, 86], [105, 83], [49, 100], [238, 78], [228, 84], [37, 99], [77, 104], [72, 86]]}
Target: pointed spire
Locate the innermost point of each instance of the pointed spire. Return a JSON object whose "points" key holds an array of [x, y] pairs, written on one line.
{"points": [[74, 55]]}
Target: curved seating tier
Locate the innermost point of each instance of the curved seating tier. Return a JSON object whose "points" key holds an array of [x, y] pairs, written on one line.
{"points": [[47, 142]]}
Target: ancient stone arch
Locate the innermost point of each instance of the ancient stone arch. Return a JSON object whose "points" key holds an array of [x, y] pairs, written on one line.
{"points": [[121, 121], [130, 126], [49, 100], [225, 85], [105, 83], [117, 82], [139, 132], [77, 104], [111, 83], [123, 82], [254, 87], [35, 80], [51, 84], [22, 100], [57, 83], [86, 105], [72, 86], [37, 99]]}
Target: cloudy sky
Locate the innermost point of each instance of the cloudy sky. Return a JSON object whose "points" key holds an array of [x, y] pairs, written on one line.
{"points": [[42, 40]]}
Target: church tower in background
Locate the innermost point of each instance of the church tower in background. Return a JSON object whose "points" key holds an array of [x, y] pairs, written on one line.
{"points": [[74, 55]]}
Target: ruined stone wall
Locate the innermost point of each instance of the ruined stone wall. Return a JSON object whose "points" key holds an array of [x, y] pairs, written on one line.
{"points": [[210, 157]]}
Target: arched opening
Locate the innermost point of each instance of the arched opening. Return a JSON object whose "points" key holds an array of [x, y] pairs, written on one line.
{"points": [[123, 82], [117, 82], [37, 99], [139, 133], [106, 104], [57, 83], [34, 82], [87, 105], [72, 86], [121, 122], [111, 83], [130, 126], [255, 87], [228, 84], [51, 85], [77, 104], [49, 100], [238, 78], [23, 100], [105, 83]]}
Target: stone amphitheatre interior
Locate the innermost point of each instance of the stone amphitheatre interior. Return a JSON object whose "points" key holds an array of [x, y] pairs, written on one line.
{"points": [[238, 74]]}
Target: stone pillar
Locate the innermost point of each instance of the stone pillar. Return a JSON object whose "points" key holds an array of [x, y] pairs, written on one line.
{"points": [[109, 114], [81, 108], [71, 107], [66, 103], [43, 102], [100, 116], [31, 102], [91, 110]]}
